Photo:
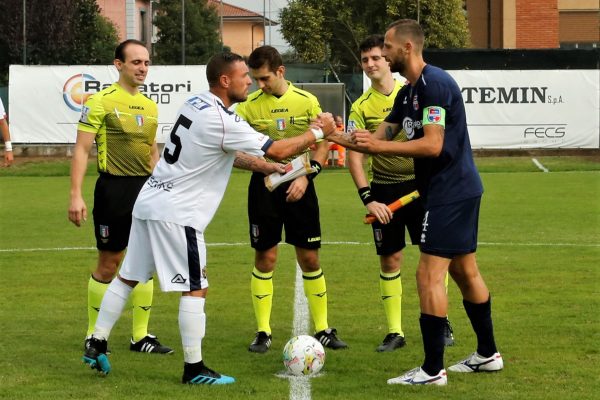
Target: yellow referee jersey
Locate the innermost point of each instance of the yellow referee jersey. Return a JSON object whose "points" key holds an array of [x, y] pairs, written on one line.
{"points": [[280, 117], [368, 112], [125, 128]]}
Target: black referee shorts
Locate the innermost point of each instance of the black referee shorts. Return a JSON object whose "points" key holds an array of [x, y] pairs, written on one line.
{"points": [[114, 197], [390, 238], [268, 213]]}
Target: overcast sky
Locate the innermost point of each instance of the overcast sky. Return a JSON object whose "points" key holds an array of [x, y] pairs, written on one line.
{"points": [[276, 40]]}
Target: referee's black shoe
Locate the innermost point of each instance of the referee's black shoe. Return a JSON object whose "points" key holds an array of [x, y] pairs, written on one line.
{"points": [[329, 339], [391, 342], [149, 344], [261, 343]]}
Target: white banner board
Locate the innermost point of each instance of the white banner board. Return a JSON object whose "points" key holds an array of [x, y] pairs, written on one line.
{"points": [[530, 109], [512, 109], [45, 101]]}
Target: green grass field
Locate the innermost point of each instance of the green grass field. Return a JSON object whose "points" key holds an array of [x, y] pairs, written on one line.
{"points": [[539, 253]]}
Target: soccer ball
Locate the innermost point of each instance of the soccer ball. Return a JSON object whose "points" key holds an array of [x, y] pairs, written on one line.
{"points": [[303, 355]]}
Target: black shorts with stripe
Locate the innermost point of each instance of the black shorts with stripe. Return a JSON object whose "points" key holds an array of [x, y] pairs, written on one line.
{"points": [[114, 197], [269, 213], [390, 238]]}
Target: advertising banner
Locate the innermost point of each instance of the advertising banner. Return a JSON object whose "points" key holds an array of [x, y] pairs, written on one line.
{"points": [[530, 109], [45, 101], [512, 109]]}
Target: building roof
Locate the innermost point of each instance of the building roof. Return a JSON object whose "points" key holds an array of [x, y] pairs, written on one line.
{"points": [[234, 13]]}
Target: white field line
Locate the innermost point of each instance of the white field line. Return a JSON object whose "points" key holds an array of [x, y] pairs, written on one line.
{"points": [[300, 385], [539, 165], [17, 250]]}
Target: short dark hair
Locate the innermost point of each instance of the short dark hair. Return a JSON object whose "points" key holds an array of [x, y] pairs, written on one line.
{"points": [[411, 28], [120, 50], [371, 42], [265, 55], [219, 64]]}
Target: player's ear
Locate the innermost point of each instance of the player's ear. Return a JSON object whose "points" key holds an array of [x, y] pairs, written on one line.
{"points": [[281, 70], [225, 81], [118, 64]]}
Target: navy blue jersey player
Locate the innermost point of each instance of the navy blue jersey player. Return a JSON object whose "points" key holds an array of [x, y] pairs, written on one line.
{"points": [[431, 112], [435, 99]]}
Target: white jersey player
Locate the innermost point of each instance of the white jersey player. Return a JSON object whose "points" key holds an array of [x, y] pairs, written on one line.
{"points": [[179, 200], [188, 183]]}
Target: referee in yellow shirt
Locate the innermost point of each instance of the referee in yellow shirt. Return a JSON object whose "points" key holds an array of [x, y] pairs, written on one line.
{"points": [[123, 123], [281, 110]]}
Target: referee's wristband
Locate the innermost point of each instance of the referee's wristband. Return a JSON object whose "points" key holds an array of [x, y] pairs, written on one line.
{"points": [[8, 146], [365, 195], [318, 132], [316, 165]]}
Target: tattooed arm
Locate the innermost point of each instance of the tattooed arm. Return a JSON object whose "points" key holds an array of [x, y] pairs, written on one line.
{"points": [[430, 145], [257, 164], [281, 149]]}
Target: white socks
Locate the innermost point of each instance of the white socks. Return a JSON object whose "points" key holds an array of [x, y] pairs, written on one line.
{"points": [[192, 326], [111, 308]]}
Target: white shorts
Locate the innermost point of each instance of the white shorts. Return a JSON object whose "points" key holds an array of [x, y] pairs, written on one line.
{"points": [[176, 253]]}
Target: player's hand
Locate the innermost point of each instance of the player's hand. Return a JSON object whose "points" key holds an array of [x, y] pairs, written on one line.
{"points": [[268, 168], [366, 142], [8, 158], [380, 211], [327, 123], [77, 211], [297, 189]]}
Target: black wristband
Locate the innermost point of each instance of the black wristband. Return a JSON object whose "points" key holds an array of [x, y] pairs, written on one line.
{"points": [[316, 165], [365, 195]]}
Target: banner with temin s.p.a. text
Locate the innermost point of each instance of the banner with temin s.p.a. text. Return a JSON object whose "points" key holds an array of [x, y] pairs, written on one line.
{"points": [[45, 101], [530, 109]]}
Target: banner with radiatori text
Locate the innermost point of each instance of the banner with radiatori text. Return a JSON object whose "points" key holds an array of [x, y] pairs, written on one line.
{"points": [[530, 109], [45, 101]]}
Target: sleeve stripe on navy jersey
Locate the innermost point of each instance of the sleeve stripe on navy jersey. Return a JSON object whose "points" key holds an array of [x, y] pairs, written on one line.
{"points": [[266, 146]]}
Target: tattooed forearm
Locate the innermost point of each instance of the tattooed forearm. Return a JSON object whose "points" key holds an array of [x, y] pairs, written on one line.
{"points": [[245, 161], [389, 133]]}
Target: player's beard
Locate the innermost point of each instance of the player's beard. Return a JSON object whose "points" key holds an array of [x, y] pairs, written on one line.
{"points": [[398, 66], [238, 97]]}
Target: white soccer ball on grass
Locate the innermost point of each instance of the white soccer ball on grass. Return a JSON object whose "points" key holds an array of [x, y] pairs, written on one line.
{"points": [[303, 355]]}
